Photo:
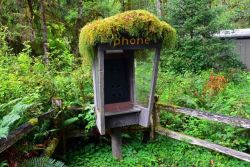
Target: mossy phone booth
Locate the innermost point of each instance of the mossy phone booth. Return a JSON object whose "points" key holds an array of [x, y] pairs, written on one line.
{"points": [[115, 86], [125, 51]]}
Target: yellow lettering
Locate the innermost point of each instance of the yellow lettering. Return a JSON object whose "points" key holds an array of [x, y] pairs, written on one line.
{"points": [[147, 40], [139, 41], [124, 40], [132, 41], [117, 42]]}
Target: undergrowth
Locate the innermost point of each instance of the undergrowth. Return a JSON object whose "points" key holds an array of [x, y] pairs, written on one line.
{"points": [[226, 93], [26, 80], [163, 152]]}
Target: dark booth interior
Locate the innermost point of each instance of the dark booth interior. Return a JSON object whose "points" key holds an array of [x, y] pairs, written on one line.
{"points": [[117, 81]]}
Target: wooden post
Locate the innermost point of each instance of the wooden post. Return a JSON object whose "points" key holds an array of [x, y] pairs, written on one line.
{"points": [[146, 135], [153, 119], [57, 104], [116, 141]]}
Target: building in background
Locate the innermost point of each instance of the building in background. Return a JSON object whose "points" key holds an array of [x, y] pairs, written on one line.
{"points": [[242, 42]]}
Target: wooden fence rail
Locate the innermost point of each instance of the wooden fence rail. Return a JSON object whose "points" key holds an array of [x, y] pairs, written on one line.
{"points": [[20, 132], [238, 122], [202, 143]]}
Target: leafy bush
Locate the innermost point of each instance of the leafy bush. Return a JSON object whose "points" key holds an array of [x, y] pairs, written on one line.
{"points": [[224, 93], [22, 75], [197, 49], [9, 118], [191, 90]]}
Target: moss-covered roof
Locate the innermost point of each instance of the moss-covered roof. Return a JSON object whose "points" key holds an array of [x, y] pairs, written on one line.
{"points": [[134, 23]]}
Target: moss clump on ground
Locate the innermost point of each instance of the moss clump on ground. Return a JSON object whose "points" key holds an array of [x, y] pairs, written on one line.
{"points": [[134, 23]]}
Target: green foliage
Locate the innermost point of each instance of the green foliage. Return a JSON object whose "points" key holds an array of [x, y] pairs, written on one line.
{"points": [[192, 91], [3, 43], [86, 116], [237, 11], [89, 117], [9, 118], [197, 49], [3, 164], [100, 9], [137, 23], [22, 75], [42, 162], [161, 152], [143, 74]]}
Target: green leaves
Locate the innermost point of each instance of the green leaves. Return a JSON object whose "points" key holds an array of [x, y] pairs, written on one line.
{"points": [[162, 152], [42, 162], [187, 90], [70, 121], [197, 49], [15, 114]]}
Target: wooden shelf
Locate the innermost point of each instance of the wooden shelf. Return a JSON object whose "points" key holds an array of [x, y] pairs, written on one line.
{"points": [[132, 110]]}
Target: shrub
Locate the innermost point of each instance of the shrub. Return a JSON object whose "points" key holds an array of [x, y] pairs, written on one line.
{"points": [[221, 93], [197, 49]]}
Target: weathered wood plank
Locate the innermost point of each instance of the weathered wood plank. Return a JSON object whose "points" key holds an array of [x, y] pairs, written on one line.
{"points": [[46, 115], [239, 122], [74, 108], [122, 120], [14, 136], [203, 143], [95, 81], [116, 141], [20, 132], [132, 77], [154, 120], [100, 120]]}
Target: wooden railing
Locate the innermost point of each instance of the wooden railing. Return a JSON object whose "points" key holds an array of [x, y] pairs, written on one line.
{"points": [[157, 128], [21, 131], [27, 127], [238, 122]]}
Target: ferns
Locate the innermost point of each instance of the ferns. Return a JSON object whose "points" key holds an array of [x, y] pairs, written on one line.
{"points": [[8, 120], [42, 162]]}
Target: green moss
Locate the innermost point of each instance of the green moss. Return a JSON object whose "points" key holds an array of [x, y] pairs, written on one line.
{"points": [[134, 23]]}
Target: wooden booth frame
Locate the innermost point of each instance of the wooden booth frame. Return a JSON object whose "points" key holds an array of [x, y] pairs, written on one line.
{"points": [[110, 120]]}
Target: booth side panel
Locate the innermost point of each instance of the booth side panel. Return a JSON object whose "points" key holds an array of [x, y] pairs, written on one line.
{"points": [[144, 119], [95, 81], [132, 79], [99, 84], [96, 90]]}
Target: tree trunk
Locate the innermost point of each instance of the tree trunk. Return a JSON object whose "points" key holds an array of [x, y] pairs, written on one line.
{"points": [[31, 20], [44, 33], [158, 8], [77, 27], [129, 5], [123, 5]]}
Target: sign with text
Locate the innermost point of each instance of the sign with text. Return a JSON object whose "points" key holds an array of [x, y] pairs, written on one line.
{"points": [[131, 41]]}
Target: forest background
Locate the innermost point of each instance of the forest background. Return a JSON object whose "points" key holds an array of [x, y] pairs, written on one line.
{"points": [[39, 61]]}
